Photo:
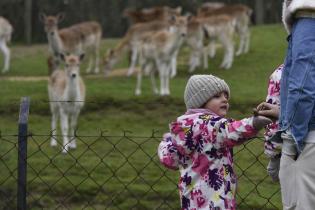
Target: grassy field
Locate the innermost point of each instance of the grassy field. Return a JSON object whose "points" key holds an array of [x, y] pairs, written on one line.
{"points": [[115, 165]]}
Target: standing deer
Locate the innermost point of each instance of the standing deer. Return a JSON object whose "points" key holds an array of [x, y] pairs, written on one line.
{"points": [[241, 13], [159, 50], [145, 21], [5, 36], [66, 92], [85, 36], [195, 41], [131, 41], [219, 27]]}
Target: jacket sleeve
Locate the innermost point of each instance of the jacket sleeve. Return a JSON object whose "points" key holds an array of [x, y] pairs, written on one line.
{"points": [[167, 152], [272, 148], [229, 133]]}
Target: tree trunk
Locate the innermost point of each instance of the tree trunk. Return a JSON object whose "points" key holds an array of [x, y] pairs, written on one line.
{"points": [[28, 21], [259, 11]]}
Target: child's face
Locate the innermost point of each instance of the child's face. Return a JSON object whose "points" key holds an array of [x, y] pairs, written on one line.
{"points": [[218, 104]]}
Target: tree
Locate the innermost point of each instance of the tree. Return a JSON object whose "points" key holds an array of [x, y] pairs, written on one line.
{"points": [[28, 21], [259, 11]]}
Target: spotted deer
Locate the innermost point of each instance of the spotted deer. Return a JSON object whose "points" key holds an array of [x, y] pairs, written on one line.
{"points": [[66, 92], [158, 50], [85, 36], [6, 30], [241, 13]]}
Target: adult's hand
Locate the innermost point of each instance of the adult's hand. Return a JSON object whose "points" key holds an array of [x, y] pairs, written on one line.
{"points": [[268, 110]]}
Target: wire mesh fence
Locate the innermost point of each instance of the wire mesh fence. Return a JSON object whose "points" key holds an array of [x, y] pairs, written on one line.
{"points": [[117, 172], [113, 172]]}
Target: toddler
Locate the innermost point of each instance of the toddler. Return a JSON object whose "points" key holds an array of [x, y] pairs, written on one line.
{"points": [[273, 142], [199, 145]]}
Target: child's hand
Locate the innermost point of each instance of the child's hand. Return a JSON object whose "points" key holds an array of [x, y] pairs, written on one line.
{"points": [[267, 110], [261, 121]]}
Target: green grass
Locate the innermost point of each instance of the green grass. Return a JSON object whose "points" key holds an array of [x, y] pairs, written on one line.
{"points": [[98, 173]]}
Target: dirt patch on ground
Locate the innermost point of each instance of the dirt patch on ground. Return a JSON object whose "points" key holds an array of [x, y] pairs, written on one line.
{"points": [[114, 73]]}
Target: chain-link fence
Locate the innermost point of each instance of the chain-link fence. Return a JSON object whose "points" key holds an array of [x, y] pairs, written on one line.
{"points": [[117, 172], [112, 172]]}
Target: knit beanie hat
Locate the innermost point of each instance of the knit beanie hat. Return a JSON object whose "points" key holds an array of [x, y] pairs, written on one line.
{"points": [[201, 88]]}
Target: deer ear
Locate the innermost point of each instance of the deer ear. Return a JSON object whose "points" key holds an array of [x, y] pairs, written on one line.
{"points": [[61, 16], [81, 56], [42, 17]]}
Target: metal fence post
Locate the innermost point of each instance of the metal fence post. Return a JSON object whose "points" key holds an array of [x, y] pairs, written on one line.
{"points": [[22, 153]]}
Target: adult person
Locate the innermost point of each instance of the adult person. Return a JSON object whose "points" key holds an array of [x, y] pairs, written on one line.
{"points": [[297, 110]]}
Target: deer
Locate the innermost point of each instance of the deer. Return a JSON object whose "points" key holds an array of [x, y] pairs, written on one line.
{"points": [[6, 31], [195, 41], [151, 14], [241, 13], [66, 91], [146, 21], [221, 27], [74, 39], [158, 50], [132, 40]]}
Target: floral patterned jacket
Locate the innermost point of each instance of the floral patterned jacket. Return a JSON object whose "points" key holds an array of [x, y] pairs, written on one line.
{"points": [[272, 148], [199, 146]]}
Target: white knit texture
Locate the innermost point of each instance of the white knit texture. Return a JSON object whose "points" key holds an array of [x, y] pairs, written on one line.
{"points": [[291, 6]]}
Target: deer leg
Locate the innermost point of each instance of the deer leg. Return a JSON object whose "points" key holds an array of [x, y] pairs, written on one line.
{"points": [[194, 61], [241, 44], [97, 56], [247, 41], [54, 119], [205, 57], [153, 83], [212, 48], [97, 62], [167, 79], [64, 130], [90, 65], [133, 61], [139, 81], [6, 53], [164, 73], [230, 55], [192, 64], [228, 46], [73, 127], [174, 65]]}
